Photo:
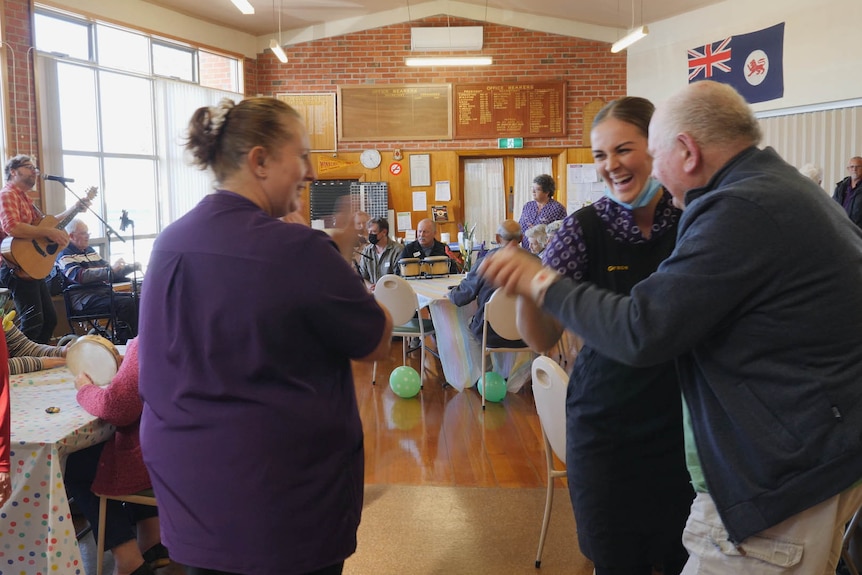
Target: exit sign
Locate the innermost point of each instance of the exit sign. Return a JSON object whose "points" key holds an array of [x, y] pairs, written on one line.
{"points": [[510, 143]]}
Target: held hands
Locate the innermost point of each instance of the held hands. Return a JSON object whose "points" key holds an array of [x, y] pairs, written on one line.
{"points": [[511, 268], [343, 234]]}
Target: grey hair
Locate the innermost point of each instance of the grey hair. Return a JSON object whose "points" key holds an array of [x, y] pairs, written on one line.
{"points": [[73, 225], [712, 113], [813, 171]]}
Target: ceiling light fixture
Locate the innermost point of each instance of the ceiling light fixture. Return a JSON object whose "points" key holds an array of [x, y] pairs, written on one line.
{"points": [[629, 39], [275, 45], [243, 6], [278, 50], [450, 61], [635, 34]]}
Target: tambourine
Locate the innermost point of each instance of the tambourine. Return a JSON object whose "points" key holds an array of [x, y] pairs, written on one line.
{"points": [[435, 265], [409, 267], [94, 355]]}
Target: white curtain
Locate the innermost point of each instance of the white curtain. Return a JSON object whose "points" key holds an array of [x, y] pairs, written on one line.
{"points": [[526, 169], [181, 185], [484, 197]]}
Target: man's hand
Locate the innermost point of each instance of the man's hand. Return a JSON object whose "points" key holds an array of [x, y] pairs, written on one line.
{"points": [[119, 267], [59, 237], [511, 268], [5, 488], [81, 205]]}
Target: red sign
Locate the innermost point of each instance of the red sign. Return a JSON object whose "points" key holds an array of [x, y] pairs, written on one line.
{"points": [[394, 168]]}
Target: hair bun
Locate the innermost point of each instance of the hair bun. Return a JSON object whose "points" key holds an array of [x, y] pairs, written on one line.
{"points": [[218, 115]]}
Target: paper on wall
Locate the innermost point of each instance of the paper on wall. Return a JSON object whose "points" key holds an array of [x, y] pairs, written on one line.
{"points": [[420, 202], [442, 192]]}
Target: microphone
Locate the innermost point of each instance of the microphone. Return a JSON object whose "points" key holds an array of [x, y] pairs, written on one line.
{"points": [[60, 179], [125, 221]]}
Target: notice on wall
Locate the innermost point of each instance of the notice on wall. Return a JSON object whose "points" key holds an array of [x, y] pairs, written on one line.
{"points": [[420, 201], [584, 186], [442, 191], [369, 112], [318, 111], [404, 221], [530, 109]]}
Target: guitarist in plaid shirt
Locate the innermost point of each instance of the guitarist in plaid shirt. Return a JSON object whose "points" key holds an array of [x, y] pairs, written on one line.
{"points": [[19, 218]]}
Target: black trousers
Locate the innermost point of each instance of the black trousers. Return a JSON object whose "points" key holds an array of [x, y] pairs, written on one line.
{"points": [[33, 304], [331, 570]]}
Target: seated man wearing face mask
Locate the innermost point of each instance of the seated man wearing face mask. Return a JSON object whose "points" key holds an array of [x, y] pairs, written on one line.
{"points": [[381, 255]]}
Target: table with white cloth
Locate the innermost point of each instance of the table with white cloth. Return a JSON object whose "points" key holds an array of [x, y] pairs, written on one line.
{"points": [[460, 353], [37, 536]]}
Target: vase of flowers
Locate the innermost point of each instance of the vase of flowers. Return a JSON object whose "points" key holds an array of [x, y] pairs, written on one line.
{"points": [[465, 244]]}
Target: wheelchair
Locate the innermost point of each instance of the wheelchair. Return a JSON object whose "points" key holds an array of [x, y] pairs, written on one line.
{"points": [[103, 322]]}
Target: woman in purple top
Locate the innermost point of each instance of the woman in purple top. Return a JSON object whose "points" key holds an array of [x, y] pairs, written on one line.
{"points": [[543, 209], [250, 428], [625, 458]]}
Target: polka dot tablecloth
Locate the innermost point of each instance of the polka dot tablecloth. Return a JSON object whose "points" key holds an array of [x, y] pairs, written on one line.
{"points": [[36, 532]]}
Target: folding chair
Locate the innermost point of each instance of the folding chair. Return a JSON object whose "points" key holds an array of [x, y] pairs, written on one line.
{"points": [[397, 296], [500, 315], [143, 498], [549, 391]]}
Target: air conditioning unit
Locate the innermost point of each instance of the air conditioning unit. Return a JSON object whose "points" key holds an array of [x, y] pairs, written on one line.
{"points": [[446, 39]]}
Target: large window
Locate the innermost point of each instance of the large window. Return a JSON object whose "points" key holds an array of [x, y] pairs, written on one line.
{"points": [[114, 105]]}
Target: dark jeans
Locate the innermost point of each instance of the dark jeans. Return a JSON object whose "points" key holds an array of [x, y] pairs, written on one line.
{"points": [[120, 518], [331, 570], [33, 304]]}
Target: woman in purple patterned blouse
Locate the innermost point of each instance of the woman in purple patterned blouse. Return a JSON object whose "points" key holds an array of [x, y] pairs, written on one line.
{"points": [[624, 434], [543, 209]]}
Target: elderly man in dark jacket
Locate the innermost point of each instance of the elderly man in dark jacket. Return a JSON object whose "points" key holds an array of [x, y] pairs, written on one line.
{"points": [[475, 287]]}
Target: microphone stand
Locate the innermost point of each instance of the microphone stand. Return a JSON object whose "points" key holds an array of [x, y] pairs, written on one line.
{"points": [[124, 222], [108, 229]]}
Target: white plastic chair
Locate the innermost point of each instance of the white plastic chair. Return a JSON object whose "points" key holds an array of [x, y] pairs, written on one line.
{"points": [[499, 314], [397, 296], [549, 390]]}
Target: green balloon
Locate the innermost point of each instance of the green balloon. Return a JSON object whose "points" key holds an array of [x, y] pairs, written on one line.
{"points": [[405, 381], [496, 386]]}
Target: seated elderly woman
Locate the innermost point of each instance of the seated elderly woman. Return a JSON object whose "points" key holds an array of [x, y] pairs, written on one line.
{"points": [[552, 229], [116, 467], [537, 237]]}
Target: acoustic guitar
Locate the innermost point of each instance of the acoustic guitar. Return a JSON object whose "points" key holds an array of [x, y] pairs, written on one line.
{"points": [[33, 258]]}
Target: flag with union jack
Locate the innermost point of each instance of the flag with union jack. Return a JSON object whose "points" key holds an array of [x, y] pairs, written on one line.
{"points": [[752, 63]]}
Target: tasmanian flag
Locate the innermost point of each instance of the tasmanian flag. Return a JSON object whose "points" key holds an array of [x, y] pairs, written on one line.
{"points": [[752, 63]]}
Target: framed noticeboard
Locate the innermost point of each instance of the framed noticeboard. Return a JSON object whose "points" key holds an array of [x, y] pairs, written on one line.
{"points": [[377, 112], [318, 111], [526, 109]]}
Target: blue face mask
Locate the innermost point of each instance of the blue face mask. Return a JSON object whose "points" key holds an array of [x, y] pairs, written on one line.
{"points": [[643, 198]]}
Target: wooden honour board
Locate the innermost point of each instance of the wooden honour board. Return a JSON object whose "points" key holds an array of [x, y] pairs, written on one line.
{"points": [[527, 109], [318, 111], [370, 113]]}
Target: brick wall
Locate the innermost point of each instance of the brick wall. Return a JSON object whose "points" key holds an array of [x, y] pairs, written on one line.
{"points": [[215, 71], [376, 56], [23, 137]]}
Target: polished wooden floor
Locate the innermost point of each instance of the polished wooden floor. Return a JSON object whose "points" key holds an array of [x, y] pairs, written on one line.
{"points": [[443, 437]]}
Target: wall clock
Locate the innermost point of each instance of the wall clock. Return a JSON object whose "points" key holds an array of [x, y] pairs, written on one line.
{"points": [[370, 159]]}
